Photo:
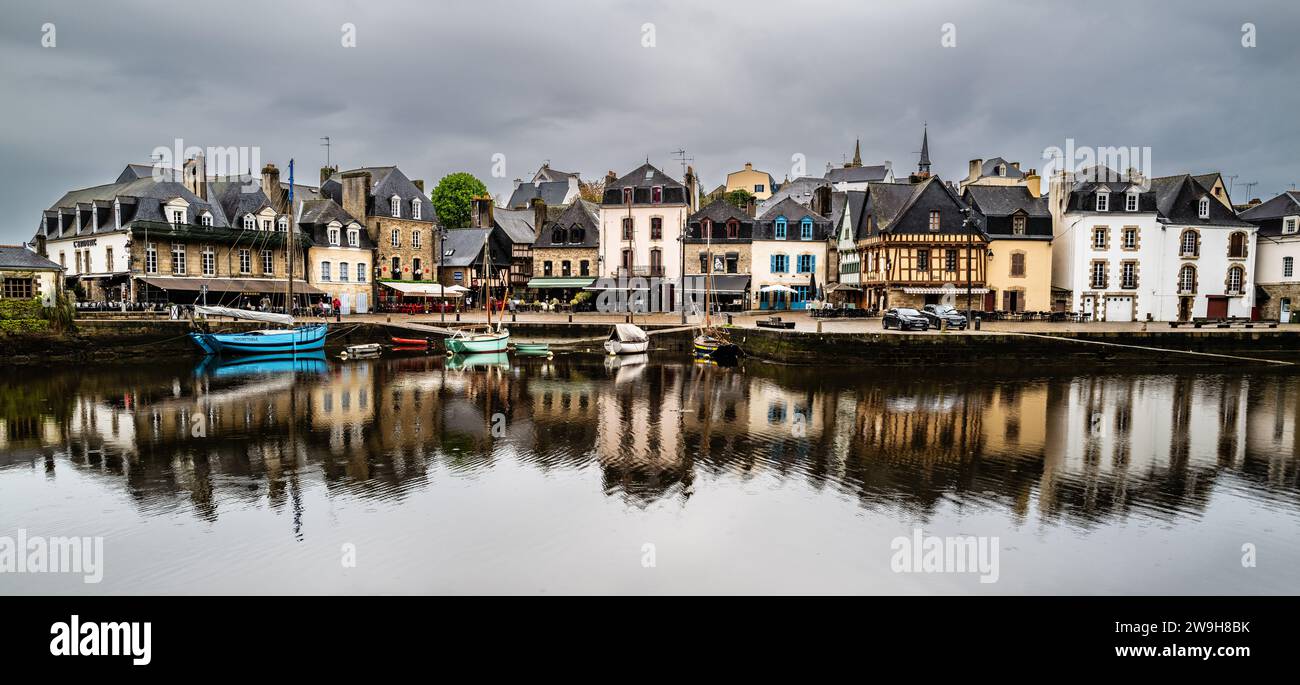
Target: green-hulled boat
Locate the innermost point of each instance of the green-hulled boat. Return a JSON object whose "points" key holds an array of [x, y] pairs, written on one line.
{"points": [[483, 342]]}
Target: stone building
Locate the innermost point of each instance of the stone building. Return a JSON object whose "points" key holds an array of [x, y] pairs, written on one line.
{"points": [[1278, 250], [565, 254], [719, 240]]}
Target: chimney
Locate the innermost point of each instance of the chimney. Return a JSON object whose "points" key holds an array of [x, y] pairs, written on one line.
{"points": [[481, 212], [271, 187], [195, 173], [356, 186], [749, 167], [610, 178], [1059, 187], [518, 182], [692, 189], [419, 183], [40, 244], [751, 206], [974, 172], [1015, 165], [539, 215], [326, 172], [1034, 183]]}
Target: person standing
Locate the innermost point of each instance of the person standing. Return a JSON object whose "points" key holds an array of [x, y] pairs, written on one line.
{"points": [[338, 310]]}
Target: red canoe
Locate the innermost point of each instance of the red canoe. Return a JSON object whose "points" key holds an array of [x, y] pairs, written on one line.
{"points": [[410, 342]]}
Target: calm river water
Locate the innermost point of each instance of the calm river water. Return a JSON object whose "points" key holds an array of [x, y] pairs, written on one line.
{"points": [[647, 475]]}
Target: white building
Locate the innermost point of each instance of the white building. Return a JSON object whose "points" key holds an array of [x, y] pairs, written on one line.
{"points": [[790, 251], [642, 220], [1164, 251], [1279, 254]]}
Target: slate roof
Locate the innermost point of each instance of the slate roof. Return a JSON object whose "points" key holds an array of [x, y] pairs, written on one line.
{"points": [[904, 208], [385, 182], [1175, 199], [580, 214], [547, 174], [465, 246], [719, 212], [1286, 204], [142, 200], [550, 192], [862, 174], [794, 213], [19, 257], [517, 224], [987, 169], [802, 189], [315, 217], [1006, 200], [643, 179]]}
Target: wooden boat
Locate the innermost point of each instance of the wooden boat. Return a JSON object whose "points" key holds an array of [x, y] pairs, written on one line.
{"points": [[533, 350], [627, 338], [411, 342], [292, 340], [716, 349], [488, 341]]}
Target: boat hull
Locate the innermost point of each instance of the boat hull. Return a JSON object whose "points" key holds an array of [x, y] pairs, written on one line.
{"points": [[715, 350], [479, 343], [620, 347], [301, 339]]}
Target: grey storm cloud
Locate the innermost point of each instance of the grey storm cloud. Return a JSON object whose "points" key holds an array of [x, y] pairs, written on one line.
{"points": [[439, 87]]}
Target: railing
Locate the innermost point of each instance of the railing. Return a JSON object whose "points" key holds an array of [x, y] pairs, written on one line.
{"points": [[640, 270]]}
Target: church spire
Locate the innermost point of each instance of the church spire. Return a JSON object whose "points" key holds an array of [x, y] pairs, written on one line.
{"points": [[924, 166], [857, 153]]}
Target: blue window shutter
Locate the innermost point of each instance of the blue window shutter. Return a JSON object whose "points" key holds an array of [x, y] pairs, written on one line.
{"points": [[812, 263], [771, 263]]}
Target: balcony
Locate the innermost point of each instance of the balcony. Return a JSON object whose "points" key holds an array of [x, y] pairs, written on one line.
{"points": [[656, 271]]}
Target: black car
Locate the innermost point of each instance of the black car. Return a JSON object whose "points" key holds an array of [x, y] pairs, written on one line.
{"points": [[905, 319], [936, 314]]}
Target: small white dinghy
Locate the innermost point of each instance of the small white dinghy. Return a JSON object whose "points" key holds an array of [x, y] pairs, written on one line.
{"points": [[368, 351], [627, 338]]}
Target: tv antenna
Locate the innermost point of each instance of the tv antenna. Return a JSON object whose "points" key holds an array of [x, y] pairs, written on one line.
{"points": [[680, 155], [1231, 182], [326, 145], [1249, 185]]}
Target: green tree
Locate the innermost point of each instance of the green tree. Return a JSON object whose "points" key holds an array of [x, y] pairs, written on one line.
{"points": [[451, 198], [739, 197]]}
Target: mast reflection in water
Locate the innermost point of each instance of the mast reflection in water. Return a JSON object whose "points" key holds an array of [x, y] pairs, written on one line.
{"points": [[536, 475]]}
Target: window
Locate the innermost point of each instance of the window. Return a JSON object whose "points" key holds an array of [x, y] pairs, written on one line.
{"points": [[1128, 275], [266, 225], [415, 239], [78, 255], [566, 268], [20, 288], [656, 228], [343, 272], [807, 263], [733, 229], [1131, 202], [1130, 237], [1237, 245], [656, 262], [805, 229], [557, 236], [758, 187], [397, 268], [178, 259], [950, 260], [780, 264], [1203, 208], [415, 209], [1190, 244], [209, 261], [584, 268], [206, 219], [546, 268], [354, 237], [1289, 227], [1236, 277], [1103, 202], [577, 235], [934, 220], [395, 206], [108, 259], [627, 196], [923, 260], [150, 258], [416, 268], [63, 260], [324, 271], [1099, 275], [1018, 225], [178, 216], [1288, 267], [249, 223], [657, 194], [780, 228], [1018, 264], [1099, 238], [1187, 279], [704, 262], [627, 228], [334, 236], [268, 263], [361, 272], [396, 238], [282, 225], [627, 261], [733, 262]]}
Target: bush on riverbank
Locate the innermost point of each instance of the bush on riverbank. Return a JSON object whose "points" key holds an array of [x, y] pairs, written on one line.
{"points": [[29, 316], [15, 309]]}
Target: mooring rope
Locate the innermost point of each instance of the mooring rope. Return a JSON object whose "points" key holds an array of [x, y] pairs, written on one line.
{"points": [[1152, 349]]}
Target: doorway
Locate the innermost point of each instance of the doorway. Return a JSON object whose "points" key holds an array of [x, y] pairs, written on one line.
{"points": [[1216, 307], [1185, 308]]}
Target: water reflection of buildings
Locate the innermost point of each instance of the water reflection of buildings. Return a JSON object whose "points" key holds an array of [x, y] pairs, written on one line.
{"points": [[1084, 447]]}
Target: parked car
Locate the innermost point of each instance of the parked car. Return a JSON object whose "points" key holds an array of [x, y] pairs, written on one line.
{"points": [[936, 314], [905, 319]]}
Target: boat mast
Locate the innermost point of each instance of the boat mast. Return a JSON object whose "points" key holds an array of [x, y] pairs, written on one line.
{"points": [[487, 278], [708, 270], [288, 248]]}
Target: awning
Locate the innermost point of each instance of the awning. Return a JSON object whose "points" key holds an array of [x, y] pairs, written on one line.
{"points": [[230, 285], [558, 282], [725, 284], [429, 289], [837, 287], [778, 288], [955, 290]]}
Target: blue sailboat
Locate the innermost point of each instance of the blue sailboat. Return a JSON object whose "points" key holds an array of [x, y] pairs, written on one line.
{"points": [[289, 340]]}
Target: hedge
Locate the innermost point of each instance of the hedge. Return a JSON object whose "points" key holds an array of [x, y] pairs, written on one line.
{"points": [[20, 309], [23, 326]]}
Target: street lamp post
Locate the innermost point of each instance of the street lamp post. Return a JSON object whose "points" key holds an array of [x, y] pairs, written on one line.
{"points": [[442, 249], [968, 224]]}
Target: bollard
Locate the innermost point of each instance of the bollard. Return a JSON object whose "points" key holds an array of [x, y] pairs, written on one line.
{"points": [[978, 319], [819, 325], [457, 316], [570, 318], [513, 317], [943, 325]]}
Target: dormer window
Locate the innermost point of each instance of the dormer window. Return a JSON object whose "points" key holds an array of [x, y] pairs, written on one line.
{"points": [[733, 229], [334, 236], [395, 204], [999, 170], [1103, 201], [1203, 210], [780, 228], [178, 216], [1018, 225], [627, 196], [415, 209], [934, 220], [1289, 226], [249, 223], [707, 226], [1131, 201], [806, 229], [657, 194], [206, 219], [282, 224], [354, 237]]}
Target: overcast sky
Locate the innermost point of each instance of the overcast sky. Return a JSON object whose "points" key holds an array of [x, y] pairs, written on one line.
{"points": [[437, 89]]}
